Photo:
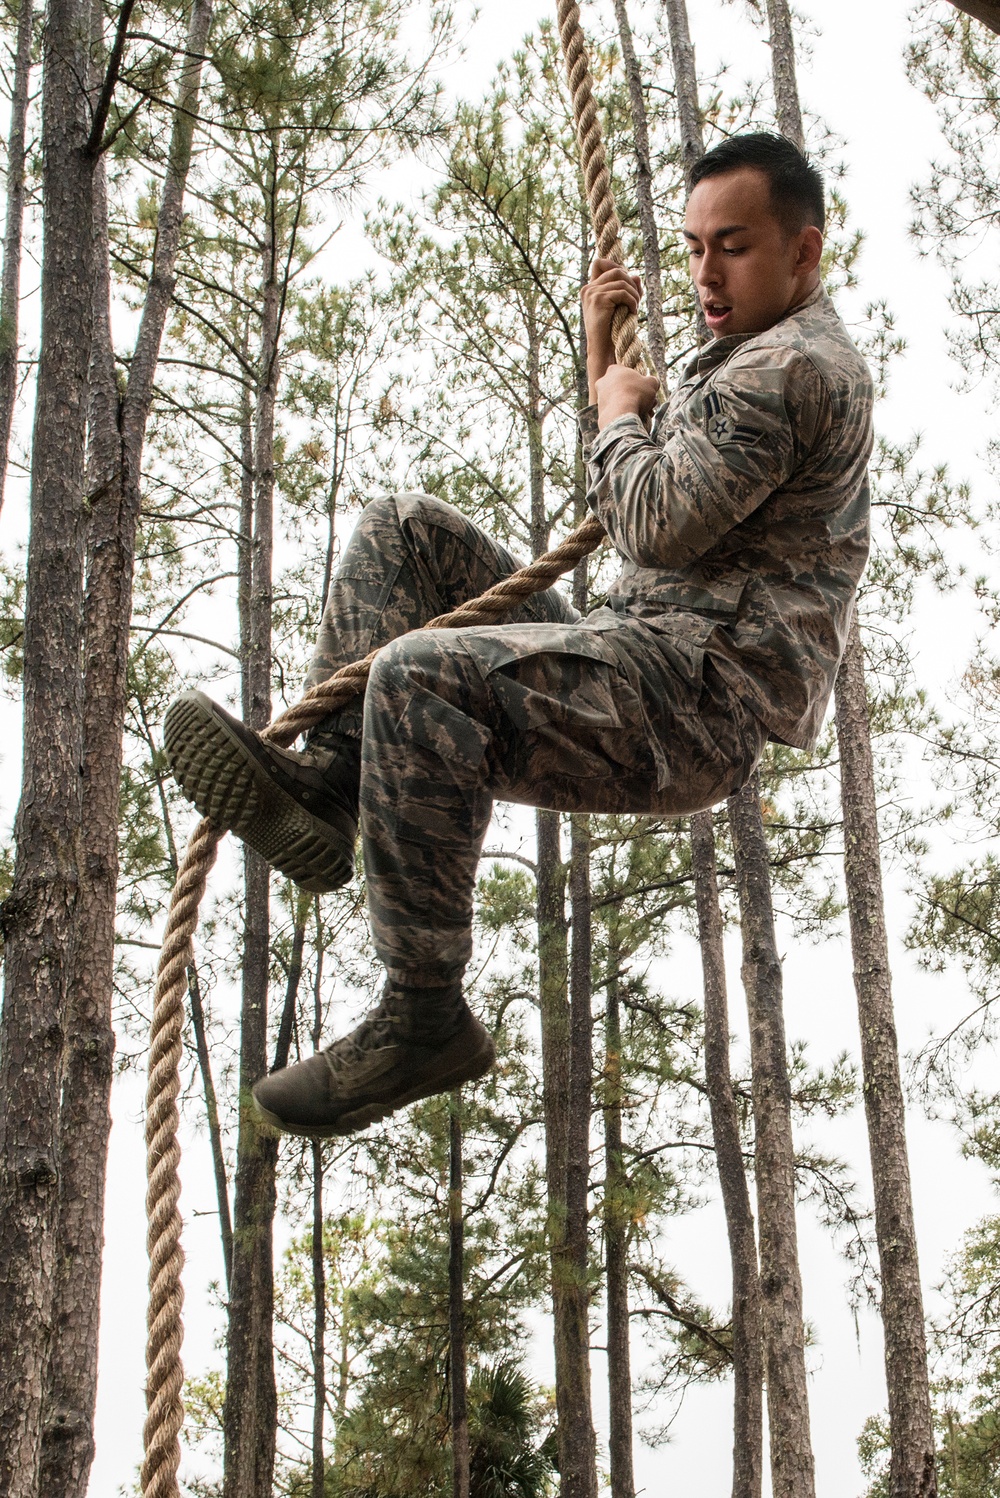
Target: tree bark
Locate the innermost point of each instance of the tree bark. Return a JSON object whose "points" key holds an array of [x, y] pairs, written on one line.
{"points": [[39, 913], [912, 1470], [456, 1306], [318, 1256], [212, 1115], [117, 436], [553, 942], [10, 285], [250, 1420], [688, 110], [319, 1325], [616, 1223], [577, 1444], [283, 1044], [748, 1367], [572, 1273], [682, 53], [792, 1472], [786, 93], [652, 278]]}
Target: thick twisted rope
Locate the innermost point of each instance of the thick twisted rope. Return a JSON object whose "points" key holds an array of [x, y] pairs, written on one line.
{"points": [[165, 1409], [596, 177]]}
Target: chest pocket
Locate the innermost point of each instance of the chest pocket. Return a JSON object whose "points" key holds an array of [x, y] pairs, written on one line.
{"points": [[739, 602]]}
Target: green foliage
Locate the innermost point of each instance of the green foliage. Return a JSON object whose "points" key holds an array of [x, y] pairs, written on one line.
{"points": [[873, 1454], [954, 60], [12, 587], [506, 1415]]}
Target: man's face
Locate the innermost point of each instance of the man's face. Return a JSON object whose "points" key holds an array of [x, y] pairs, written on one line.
{"points": [[748, 271]]}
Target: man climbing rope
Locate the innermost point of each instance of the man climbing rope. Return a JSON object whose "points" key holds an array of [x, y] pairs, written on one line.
{"points": [[741, 517]]}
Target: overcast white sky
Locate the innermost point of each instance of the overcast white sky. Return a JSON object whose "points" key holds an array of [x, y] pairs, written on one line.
{"points": [[855, 81]]}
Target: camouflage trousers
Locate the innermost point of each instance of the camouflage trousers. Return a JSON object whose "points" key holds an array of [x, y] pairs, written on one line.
{"points": [[600, 714]]}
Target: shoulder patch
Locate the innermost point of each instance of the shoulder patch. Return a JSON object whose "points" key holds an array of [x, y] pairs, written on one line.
{"points": [[723, 430]]}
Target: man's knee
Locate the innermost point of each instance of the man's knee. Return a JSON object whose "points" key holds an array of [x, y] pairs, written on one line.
{"points": [[428, 510], [424, 687], [411, 513], [419, 660], [378, 513]]}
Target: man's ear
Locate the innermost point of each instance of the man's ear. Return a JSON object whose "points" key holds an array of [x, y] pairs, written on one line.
{"points": [[810, 251]]}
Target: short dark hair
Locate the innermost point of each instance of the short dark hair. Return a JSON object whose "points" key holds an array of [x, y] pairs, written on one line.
{"points": [[796, 186]]}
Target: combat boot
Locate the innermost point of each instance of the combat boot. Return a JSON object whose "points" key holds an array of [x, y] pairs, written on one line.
{"points": [[411, 1046], [298, 810]]}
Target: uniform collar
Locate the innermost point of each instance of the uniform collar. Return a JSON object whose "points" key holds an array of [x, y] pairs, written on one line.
{"points": [[710, 355]]}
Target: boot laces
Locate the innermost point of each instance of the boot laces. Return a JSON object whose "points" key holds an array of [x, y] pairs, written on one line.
{"points": [[380, 1027]]}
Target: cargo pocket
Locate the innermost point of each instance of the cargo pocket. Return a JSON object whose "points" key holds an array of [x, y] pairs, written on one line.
{"points": [[553, 674], [440, 795], [564, 699], [753, 612]]}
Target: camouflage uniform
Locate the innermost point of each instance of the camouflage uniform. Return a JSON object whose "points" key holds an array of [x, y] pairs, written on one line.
{"points": [[742, 519]]}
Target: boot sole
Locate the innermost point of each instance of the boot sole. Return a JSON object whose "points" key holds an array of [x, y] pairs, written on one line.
{"points": [[226, 784], [351, 1123]]}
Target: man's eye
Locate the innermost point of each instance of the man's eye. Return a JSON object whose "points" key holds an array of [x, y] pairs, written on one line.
{"points": [[736, 250]]}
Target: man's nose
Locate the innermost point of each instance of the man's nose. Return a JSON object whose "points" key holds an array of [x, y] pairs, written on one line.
{"points": [[709, 270]]}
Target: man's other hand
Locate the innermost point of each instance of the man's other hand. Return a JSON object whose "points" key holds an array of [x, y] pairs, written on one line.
{"points": [[625, 392], [610, 286]]}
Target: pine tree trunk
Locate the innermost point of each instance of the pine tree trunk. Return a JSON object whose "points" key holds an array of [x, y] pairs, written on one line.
{"points": [[682, 53], [577, 1445], [318, 1256], [212, 1118], [10, 283], [786, 92], [39, 913], [748, 1368], [652, 279], [250, 1421], [574, 1258], [319, 1324], [456, 1306], [117, 435], [792, 1474], [577, 1460], [912, 1470], [553, 942], [302, 901], [616, 1224], [688, 110]]}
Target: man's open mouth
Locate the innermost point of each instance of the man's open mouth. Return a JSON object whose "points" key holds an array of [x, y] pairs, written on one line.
{"points": [[715, 310]]}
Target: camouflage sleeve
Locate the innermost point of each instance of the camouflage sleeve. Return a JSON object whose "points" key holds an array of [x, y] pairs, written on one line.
{"points": [[586, 421], [739, 437]]}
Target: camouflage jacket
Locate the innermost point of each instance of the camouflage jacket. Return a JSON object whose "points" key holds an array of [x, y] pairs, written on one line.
{"points": [[742, 516]]}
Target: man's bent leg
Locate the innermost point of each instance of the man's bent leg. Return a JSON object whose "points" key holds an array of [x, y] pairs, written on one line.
{"points": [[432, 760], [410, 557], [426, 806], [545, 714]]}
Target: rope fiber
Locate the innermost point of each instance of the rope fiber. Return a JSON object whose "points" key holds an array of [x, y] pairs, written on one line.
{"points": [[165, 1377]]}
